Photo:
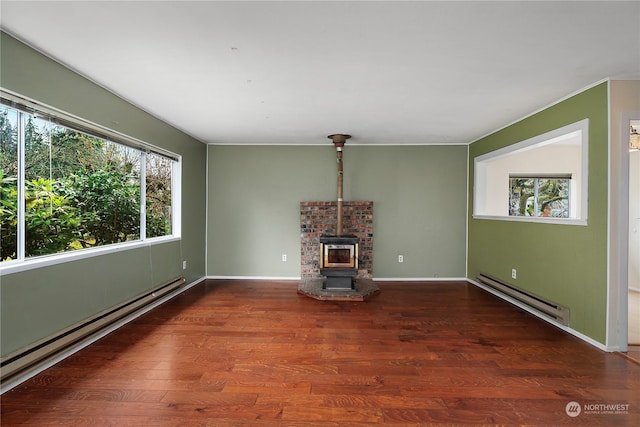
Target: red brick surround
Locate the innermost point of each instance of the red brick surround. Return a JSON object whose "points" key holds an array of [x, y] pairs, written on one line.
{"points": [[319, 218]]}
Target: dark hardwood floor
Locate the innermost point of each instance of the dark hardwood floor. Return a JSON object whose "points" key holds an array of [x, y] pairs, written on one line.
{"points": [[236, 353]]}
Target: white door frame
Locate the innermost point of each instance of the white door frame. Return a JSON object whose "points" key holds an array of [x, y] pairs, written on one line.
{"points": [[618, 288]]}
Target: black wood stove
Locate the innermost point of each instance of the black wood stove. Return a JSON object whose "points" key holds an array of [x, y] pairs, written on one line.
{"points": [[339, 253], [339, 261]]}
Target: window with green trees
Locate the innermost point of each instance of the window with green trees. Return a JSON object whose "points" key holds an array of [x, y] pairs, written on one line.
{"points": [[63, 189], [543, 196]]}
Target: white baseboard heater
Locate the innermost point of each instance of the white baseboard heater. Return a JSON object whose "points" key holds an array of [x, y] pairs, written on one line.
{"points": [[39, 353], [541, 305]]}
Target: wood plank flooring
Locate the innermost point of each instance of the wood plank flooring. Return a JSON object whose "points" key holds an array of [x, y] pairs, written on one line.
{"points": [[241, 353]]}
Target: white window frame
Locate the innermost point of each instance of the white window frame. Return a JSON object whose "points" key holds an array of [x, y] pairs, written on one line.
{"points": [[536, 196], [482, 166], [24, 264]]}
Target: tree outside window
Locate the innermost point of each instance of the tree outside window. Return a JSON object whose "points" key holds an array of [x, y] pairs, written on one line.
{"points": [[158, 195], [539, 196], [80, 190], [8, 183]]}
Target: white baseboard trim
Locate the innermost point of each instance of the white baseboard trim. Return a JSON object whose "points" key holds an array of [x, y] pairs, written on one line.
{"points": [[567, 329], [265, 278], [375, 279], [419, 279], [49, 362]]}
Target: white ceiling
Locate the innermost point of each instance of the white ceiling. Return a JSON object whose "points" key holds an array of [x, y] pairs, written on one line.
{"points": [[421, 72]]}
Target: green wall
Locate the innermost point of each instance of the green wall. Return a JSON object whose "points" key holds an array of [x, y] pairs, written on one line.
{"points": [[564, 263], [39, 302], [419, 195]]}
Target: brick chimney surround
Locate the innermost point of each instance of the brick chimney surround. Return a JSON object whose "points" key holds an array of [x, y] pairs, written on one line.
{"points": [[319, 219]]}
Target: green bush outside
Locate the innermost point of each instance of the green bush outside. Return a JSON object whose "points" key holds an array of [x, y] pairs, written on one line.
{"points": [[80, 191]]}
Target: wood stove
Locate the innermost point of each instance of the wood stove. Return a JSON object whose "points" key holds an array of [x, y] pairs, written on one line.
{"points": [[339, 253], [339, 261]]}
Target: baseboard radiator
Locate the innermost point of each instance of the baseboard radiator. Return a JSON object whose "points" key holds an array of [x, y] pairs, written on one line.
{"points": [[541, 305], [39, 353]]}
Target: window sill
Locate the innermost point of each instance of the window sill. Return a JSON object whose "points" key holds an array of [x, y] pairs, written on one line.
{"points": [[10, 267], [539, 220]]}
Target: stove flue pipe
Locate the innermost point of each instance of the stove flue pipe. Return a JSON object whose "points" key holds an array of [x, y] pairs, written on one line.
{"points": [[339, 140]]}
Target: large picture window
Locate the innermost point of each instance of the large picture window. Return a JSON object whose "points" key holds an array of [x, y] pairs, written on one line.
{"points": [[65, 188]]}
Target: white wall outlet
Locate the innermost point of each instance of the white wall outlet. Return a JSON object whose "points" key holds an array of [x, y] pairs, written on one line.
{"points": [[400, 258], [284, 257], [184, 265], [514, 273]]}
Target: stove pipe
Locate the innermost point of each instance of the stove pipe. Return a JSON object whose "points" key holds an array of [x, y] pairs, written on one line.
{"points": [[339, 140]]}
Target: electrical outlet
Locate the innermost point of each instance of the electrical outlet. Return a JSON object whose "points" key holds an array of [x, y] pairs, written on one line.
{"points": [[514, 273], [184, 265], [400, 258], [284, 257]]}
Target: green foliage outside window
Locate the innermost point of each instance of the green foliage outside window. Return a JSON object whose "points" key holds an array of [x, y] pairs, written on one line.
{"points": [[539, 196], [158, 195], [80, 190]]}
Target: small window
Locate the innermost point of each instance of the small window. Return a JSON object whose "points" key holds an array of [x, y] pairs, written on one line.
{"points": [[539, 196]]}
